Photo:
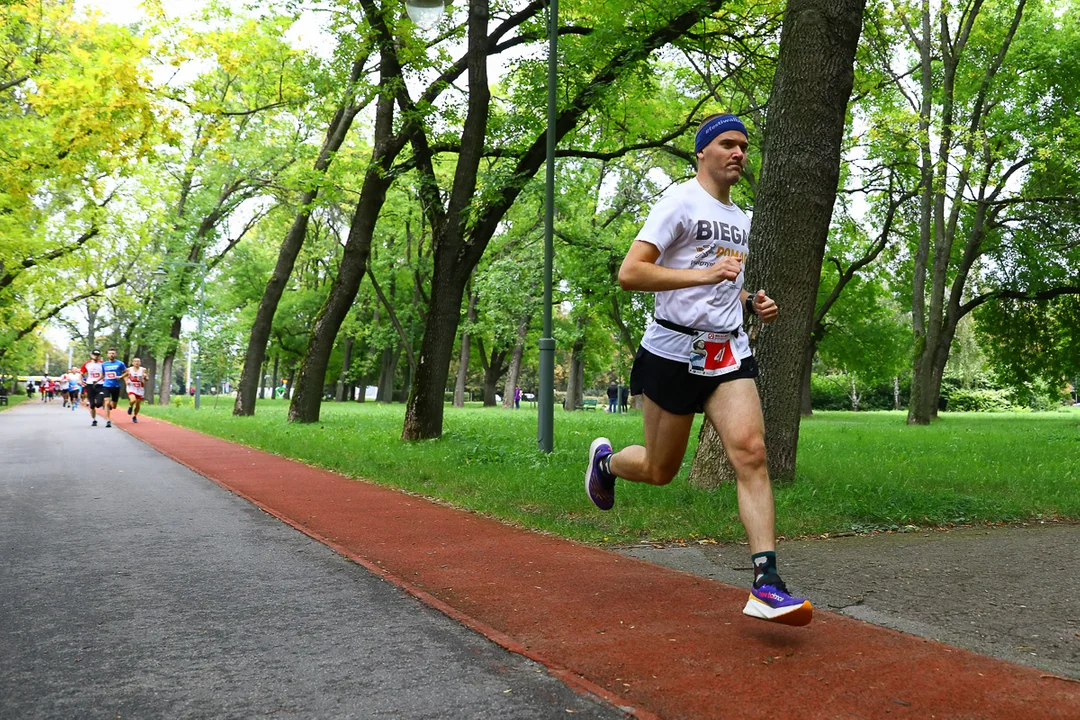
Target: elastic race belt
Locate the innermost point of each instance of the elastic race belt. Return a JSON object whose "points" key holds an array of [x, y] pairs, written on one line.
{"points": [[689, 330]]}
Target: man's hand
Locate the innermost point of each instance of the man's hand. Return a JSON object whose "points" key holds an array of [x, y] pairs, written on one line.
{"points": [[726, 268], [765, 307]]}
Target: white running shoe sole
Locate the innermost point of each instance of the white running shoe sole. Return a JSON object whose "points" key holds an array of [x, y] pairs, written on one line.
{"points": [[796, 615]]}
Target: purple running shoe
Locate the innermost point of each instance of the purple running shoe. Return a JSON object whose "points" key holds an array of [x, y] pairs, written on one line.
{"points": [[772, 602], [600, 485]]}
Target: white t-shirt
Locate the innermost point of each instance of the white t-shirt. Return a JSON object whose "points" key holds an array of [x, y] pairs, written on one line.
{"points": [[135, 380], [692, 229]]}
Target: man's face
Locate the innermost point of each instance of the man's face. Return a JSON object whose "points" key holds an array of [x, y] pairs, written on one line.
{"points": [[112, 354], [95, 358], [725, 157]]}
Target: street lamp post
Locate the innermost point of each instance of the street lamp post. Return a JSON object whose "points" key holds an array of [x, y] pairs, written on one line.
{"points": [[546, 422], [201, 267]]}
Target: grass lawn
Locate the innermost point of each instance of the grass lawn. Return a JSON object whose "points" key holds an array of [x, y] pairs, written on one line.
{"points": [[857, 472], [13, 400]]}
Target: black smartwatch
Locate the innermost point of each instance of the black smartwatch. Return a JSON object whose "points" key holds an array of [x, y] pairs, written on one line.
{"points": [[749, 302]]}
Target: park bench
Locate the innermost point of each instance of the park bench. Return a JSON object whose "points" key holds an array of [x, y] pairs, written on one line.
{"points": [[587, 405]]}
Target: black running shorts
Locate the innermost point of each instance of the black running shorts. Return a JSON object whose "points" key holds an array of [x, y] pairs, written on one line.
{"points": [[670, 385], [112, 393], [95, 395]]}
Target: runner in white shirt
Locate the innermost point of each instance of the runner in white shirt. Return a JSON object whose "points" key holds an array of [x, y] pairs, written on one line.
{"points": [[136, 387], [696, 356], [94, 376]]}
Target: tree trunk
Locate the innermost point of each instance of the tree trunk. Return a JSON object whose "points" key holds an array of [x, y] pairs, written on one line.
{"points": [[793, 209], [463, 357], [576, 376], [492, 373], [307, 398], [275, 377], [423, 417], [291, 246], [289, 394], [167, 364], [806, 404], [896, 392], [343, 378], [514, 372], [387, 372], [151, 371], [164, 392], [854, 395]]}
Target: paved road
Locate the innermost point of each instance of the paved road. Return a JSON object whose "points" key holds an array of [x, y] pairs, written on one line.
{"points": [[132, 588], [1011, 593]]}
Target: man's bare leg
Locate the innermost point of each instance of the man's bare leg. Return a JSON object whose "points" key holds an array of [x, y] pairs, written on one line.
{"points": [[734, 409], [659, 460]]}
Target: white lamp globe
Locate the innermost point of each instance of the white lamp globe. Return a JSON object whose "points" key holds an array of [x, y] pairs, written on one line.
{"points": [[425, 14]]}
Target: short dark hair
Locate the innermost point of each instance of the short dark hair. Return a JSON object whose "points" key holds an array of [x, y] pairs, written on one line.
{"points": [[112, 349]]}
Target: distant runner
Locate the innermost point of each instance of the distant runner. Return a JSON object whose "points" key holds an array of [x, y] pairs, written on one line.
{"points": [[74, 386], [92, 384], [113, 370], [136, 387]]}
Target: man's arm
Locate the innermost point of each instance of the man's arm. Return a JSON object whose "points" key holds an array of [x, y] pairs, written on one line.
{"points": [[639, 271]]}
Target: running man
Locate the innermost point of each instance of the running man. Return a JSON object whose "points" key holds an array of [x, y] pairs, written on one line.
{"points": [[94, 376], [136, 387], [74, 386], [113, 370], [696, 356]]}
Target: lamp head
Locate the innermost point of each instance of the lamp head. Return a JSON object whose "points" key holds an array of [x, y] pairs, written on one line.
{"points": [[425, 14]]}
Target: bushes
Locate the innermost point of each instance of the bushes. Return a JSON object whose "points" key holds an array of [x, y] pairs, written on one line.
{"points": [[960, 400], [833, 392]]}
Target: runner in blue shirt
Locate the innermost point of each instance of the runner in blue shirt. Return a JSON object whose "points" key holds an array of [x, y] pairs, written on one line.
{"points": [[113, 370]]}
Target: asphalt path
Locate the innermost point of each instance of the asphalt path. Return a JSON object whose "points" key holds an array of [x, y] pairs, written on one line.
{"points": [[130, 587]]}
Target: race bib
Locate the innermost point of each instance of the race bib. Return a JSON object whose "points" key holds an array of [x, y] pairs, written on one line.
{"points": [[110, 374], [711, 355], [134, 382]]}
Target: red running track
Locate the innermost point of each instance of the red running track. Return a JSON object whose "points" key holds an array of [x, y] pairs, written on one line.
{"points": [[655, 641]]}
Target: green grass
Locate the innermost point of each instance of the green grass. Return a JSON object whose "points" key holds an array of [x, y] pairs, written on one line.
{"points": [[13, 400], [857, 472]]}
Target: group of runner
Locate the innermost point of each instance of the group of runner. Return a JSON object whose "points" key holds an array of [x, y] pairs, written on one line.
{"points": [[99, 384]]}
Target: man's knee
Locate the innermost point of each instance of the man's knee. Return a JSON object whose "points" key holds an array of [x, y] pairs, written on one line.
{"points": [[661, 475], [748, 451]]}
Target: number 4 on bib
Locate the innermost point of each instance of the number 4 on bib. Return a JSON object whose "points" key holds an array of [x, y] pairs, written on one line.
{"points": [[711, 355]]}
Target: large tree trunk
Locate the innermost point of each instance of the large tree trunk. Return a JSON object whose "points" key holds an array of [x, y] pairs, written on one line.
{"points": [[793, 209], [423, 417], [291, 246], [514, 372], [307, 396], [343, 378], [463, 356]]}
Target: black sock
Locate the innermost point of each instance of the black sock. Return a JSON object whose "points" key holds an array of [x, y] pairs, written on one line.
{"points": [[605, 465], [764, 567]]}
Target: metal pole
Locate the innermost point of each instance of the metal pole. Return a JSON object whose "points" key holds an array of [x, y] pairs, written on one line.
{"points": [[198, 336], [546, 421]]}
